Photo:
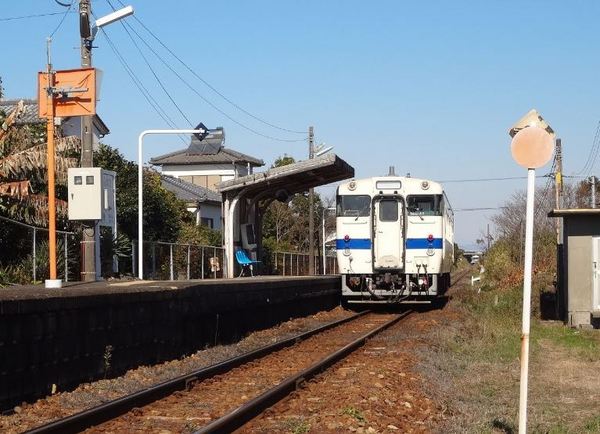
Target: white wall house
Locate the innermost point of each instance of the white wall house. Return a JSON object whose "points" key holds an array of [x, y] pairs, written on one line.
{"points": [[206, 163]]}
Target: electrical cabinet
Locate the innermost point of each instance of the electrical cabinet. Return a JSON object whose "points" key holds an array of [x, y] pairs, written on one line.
{"points": [[91, 194]]}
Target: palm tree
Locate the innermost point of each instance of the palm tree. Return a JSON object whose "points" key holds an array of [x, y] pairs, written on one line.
{"points": [[23, 168]]}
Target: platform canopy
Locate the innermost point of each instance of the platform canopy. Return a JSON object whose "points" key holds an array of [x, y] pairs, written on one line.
{"points": [[245, 198]]}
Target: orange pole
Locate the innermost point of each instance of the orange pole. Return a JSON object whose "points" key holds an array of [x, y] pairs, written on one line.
{"points": [[51, 178]]}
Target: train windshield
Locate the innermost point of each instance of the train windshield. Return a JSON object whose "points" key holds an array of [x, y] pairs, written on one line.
{"points": [[354, 206], [424, 204]]}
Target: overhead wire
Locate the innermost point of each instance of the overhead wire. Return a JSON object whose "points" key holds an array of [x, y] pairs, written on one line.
{"points": [[156, 77], [211, 87], [62, 20], [140, 86], [593, 156], [207, 101], [24, 17]]}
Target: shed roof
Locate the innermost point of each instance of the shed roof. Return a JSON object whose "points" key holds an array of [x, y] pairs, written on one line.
{"points": [[223, 156], [293, 178], [189, 192], [30, 114], [574, 212]]}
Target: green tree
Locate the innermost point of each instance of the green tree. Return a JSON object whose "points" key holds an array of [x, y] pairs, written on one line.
{"points": [[24, 171], [285, 225], [164, 214]]}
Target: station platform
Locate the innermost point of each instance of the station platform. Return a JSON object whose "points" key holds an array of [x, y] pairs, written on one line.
{"points": [[61, 336]]}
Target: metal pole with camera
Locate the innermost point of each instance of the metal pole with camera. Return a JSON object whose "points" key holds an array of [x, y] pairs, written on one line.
{"points": [[87, 31]]}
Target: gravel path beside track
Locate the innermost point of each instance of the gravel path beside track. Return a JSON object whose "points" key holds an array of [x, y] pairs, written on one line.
{"points": [[88, 395]]}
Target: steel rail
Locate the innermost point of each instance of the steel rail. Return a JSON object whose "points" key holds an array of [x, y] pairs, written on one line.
{"points": [[257, 405], [110, 410]]}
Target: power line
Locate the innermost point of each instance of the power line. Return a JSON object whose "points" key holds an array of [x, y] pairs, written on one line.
{"points": [[62, 20], [24, 17], [211, 87], [164, 62], [153, 72], [145, 93], [507, 178], [589, 164]]}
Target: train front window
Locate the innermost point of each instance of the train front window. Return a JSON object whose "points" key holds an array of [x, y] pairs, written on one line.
{"points": [[388, 210], [354, 206], [424, 205]]}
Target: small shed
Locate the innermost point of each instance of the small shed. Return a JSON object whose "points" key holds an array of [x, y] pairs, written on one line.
{"points": [[579, 267]]}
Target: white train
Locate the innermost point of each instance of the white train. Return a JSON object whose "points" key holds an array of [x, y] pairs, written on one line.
{"points": [[395, 239]]}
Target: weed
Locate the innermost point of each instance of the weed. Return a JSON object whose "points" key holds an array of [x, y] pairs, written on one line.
{"points": [[297, 425], [107, 356], [593, 425], [353, 412]]}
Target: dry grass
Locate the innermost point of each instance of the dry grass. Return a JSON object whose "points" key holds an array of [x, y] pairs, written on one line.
{"points": [[474, 362]]}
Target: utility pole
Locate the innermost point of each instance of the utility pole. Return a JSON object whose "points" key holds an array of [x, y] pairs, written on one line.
{"points": [[488, 237], [593, 191], [558, 187], [311, 205], [88, 242]]}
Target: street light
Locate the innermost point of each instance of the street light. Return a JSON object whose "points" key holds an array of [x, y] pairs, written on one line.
{"points": [[91, 237], [141, 188], [324, 256]]}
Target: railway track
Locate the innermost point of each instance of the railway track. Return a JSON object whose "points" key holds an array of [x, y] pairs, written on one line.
{"points": [[299, 358]]}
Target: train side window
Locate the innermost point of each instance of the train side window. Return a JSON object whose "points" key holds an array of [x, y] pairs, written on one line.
{"points": [[354, 206], [388, 211], [424, 204]]}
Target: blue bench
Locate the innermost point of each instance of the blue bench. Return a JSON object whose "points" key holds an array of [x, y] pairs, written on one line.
{"points": [[245, 262]]}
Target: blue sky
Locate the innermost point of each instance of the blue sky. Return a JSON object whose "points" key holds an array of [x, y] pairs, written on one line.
{"points": [[430, 87]]}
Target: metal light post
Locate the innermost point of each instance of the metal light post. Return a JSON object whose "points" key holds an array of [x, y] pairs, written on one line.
{"points": [[531, 148], [141, 188], [87, 33]]}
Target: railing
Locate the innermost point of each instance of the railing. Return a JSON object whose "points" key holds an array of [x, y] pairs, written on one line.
{"points": [[171, 261], [66, 237], [178, 261], [296, 264]]}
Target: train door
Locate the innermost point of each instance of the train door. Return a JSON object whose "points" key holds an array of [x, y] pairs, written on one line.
{"points": [[388, 225], [596, 273]]}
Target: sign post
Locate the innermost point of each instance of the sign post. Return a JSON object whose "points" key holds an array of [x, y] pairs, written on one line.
{"points": [[61, 93], [531, 148]]}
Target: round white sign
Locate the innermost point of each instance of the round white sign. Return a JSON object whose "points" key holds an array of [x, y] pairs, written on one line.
{"points": [[532, 147]]}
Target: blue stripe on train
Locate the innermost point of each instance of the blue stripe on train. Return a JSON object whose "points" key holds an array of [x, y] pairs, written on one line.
{"points": [[423, 243], [357, 243], [411, 243]]}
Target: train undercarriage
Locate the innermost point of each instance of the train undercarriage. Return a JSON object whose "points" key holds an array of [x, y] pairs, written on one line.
{"points": [[394, 288]]}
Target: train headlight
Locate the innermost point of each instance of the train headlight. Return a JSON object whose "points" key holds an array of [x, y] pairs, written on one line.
{"points": [[430, 238], [354, 282], [352, 186], [346, 238], [425, 185], [421, 282]]}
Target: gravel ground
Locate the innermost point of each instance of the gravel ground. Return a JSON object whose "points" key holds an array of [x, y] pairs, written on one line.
{"points": [[89, 395], [374, 390], [187, 411]]}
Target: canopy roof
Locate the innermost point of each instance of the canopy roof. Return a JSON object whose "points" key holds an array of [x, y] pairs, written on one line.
{"points": [[293, 178]]}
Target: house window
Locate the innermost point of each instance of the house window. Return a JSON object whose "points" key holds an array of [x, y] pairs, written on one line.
{"points": [[205, 221]]}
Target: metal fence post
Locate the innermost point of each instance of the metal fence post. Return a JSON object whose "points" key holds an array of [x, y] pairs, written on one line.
{"points": [[133, 261], [283, 265], [34, 255], [189, 256], [171, 261], [202, 257], [66, 260], [153, 260], [214, 256]]}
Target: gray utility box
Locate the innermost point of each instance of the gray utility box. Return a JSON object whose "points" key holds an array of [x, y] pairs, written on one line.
{"points": [[91, 194]]}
